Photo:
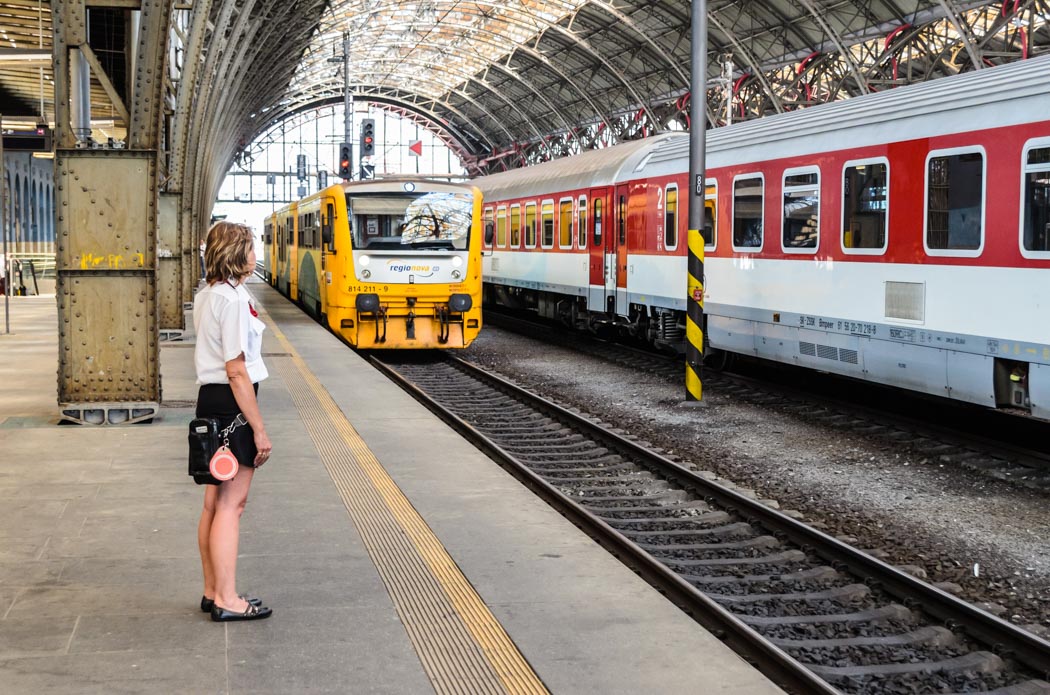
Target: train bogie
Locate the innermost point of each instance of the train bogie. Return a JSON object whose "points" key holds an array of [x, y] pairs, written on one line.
{"points": [[901, 238]]}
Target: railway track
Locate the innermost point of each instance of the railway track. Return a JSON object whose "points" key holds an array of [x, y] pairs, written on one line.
{"points": [[815, 614], [1015, 452]]}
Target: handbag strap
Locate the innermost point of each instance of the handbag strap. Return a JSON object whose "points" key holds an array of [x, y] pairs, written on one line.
{"points": [[237, 422]]}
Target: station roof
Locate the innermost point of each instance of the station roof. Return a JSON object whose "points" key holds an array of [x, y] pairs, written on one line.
{"points": [[549, 77]]}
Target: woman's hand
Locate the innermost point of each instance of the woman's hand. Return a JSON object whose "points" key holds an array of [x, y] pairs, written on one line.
{"points": [[262, 443]]}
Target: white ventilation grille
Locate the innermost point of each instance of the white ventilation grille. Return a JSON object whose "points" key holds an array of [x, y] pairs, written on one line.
{"points": [[906, 300]]}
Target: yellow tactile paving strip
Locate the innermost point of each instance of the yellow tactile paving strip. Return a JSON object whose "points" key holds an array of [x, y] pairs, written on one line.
{"points": [[462, 646]]}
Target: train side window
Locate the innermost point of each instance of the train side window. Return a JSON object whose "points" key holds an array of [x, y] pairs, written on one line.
{"points": [[530, 225], [748, 212], [597, 222], [710, 230], [501, 227], [865, 206], [955, 202], [1035, 188], [515, 226], [671, 217], [581, 222], [490, 226], [800, 228], [547, 224], [565, 223]]}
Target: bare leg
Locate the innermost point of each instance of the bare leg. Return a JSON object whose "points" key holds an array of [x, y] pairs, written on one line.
{"points": [[211, 493], [222, 543]]}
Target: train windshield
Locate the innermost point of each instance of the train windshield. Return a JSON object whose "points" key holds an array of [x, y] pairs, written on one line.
{"points": [[420, 221]]}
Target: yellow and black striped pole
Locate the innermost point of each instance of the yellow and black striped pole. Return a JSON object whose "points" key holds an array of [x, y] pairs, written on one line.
{"points": [[694, 324]]}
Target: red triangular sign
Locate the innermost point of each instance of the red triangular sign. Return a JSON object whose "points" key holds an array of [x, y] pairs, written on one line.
{"points": [[415, 147]]}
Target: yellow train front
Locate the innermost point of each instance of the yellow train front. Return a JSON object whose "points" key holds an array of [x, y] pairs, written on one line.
{"points": [[386, 264]]}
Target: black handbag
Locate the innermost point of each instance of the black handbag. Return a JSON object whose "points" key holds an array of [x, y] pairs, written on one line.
{"points": [[204, 442], [205, 438]]}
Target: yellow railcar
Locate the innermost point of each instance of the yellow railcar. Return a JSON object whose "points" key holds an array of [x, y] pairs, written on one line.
{"points": [[386, 264]]}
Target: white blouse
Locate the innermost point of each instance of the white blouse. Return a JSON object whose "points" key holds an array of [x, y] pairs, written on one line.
{"points": [[225, 328]]}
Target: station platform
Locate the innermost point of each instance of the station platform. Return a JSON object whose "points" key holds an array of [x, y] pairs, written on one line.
{"points": [[396, 557]]}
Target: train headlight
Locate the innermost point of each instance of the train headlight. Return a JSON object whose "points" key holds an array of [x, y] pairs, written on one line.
{"points": [[366, 274], [456, 261], [364, 260], [456, 274]]}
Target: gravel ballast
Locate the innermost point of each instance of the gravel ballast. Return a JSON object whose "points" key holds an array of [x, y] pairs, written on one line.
{"points": [[988, 537]]}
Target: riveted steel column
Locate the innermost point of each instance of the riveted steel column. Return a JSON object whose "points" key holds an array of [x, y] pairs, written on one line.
{"points": [[694, 326], [106, 238]]}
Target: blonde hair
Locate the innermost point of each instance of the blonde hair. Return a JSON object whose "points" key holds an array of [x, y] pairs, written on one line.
{"points": [[226, 252]]}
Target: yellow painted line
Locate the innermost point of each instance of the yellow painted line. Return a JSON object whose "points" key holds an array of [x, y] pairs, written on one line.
{"points": [[462, 646]]}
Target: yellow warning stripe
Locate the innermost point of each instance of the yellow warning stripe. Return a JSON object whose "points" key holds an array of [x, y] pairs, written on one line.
{"points": [[461, 645]]}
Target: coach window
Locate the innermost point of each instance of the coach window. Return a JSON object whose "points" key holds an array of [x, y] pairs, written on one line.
{"points": [[671, 217], [490, 226], [530, 225], [597, 222], [515, 226], [801, 210], [748, 211], [547, 224], [565, 223], [865, 206], [501, 227], [581, 222], [955, 202], [711, 215], [1035, 230]]}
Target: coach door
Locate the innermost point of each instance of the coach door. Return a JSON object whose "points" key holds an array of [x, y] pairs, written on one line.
{"points": [[600, 231], [327, 241], [617, 293]]}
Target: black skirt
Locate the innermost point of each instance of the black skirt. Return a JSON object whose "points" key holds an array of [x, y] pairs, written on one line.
{"points": [[217, 401]]}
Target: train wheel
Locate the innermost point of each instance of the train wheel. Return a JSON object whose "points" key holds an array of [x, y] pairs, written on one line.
{"points": [[718, 360]]}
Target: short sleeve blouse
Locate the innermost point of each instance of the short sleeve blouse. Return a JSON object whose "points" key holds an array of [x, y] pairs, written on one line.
{"points": [[226, 327]]}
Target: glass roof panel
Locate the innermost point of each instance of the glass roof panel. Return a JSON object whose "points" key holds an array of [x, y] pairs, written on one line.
{"points": [[424, 47]]}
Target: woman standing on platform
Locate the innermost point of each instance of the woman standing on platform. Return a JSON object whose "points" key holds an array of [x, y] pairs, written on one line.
{"points": [[228, 359]]}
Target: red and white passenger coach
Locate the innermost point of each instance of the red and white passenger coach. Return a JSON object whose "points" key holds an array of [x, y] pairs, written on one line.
{"points": [[901, 237]]}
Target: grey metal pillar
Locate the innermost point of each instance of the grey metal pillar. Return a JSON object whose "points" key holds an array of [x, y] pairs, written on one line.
{"points": [[106, 235]]}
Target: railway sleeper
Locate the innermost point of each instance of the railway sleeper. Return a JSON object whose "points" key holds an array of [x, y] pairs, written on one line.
{"points": [[655, 537], [762, 542], [538, 460], [783, 558], [974, 662], [930, 635], [565, 435], [893, 611], [668, 496], [702, 519], [605, 462], [689, 509], [496, 413], [600, 480], [842, 595], [561, 473], [803, 577], [559, 446]]}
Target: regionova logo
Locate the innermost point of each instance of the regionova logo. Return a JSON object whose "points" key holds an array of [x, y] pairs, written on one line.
{"points": [[420, 269]]}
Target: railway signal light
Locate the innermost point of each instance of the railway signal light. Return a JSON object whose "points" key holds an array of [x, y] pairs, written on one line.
{"points": [[368, 137], [344, 160]]}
